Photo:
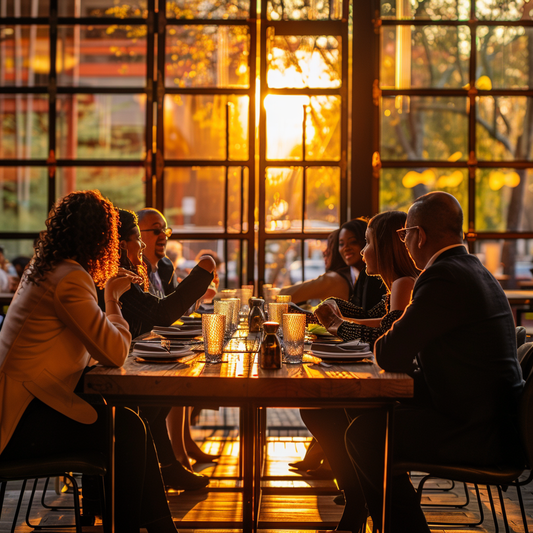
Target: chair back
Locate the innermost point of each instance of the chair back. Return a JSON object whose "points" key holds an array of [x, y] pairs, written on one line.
{"points": [[525, 358], [526, 419], [520, 336]]}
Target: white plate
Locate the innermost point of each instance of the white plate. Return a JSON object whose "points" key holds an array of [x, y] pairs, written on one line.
{"points": [[344, 355], [172, 356]]}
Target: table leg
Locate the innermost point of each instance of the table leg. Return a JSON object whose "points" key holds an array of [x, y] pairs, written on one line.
{"points": [[110, 485], [387, 497], [248, 441]]}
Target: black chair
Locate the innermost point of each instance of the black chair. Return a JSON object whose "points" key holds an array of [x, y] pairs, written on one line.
{"points": [[525, 358], [93, 464], [521, 334], [499, 475]]}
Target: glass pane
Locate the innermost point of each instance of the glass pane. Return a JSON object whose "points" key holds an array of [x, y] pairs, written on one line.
{"points": [[101, 56], [304, 10], [122, 185], [419, 127], [24, 56], [502, 9], [101, 126], [509, 261], [427, 56], [186, 256], [195, 126], [314, 265], [25, 8], [503, 57], [283, 199], [279, 256], [399, 187], [431, 9], [296, 61], [194, 198], [207, 56], [17, 248], [284, 126], [24, 198], [213, 9], [322, 197], [504, 199], [238, 199], [23, 126], [87, 8], [500, 132]]}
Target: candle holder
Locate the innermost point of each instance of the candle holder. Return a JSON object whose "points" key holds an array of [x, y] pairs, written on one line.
{"points": [[213, 327], [275, 314], [293, 337], [283, 298]]}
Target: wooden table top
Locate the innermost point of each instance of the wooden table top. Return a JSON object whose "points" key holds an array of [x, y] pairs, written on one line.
{"points": [[518, 297], [239, 379]]}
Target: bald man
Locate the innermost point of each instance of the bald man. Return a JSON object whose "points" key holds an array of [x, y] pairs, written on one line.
{"points": [[457, 339]]}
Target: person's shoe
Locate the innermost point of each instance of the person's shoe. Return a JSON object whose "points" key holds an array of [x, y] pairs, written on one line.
{"points": [[306, 464], [177, 477], [339, 499]]}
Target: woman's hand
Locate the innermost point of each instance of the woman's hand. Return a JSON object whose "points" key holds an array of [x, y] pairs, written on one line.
{"points": [[119, 284], [329, 315]]}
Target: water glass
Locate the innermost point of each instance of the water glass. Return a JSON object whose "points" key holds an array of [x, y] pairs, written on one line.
{"points": [[266, 287], [248, 288], [235, 308], [225, 307], [283, 298], [293, 337], [271, 294], [275, 314], [213, 327]]}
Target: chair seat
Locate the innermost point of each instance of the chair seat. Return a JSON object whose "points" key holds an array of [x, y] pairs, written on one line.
{"points": [[483, 475], [89, 463]]}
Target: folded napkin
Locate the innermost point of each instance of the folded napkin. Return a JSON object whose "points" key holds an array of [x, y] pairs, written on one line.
{"points": [[177, 331], [148, 349]]}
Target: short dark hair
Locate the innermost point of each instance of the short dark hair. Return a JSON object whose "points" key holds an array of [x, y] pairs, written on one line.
{"points": [[439, 213]]}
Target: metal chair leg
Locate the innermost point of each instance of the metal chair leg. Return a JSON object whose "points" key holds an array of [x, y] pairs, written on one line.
{"points": [[493, 509], [19, 504], [502, 505], [522, 509]]}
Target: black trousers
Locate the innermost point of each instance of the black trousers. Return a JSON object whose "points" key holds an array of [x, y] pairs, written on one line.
{"points": [[354, 443], [140, 497]]}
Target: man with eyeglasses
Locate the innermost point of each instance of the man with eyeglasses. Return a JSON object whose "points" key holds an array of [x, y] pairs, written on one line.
{"points": [[154, 233], [457, 339]]}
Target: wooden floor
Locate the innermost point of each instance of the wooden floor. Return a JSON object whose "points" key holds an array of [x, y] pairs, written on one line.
{"points": [[287, 501]]}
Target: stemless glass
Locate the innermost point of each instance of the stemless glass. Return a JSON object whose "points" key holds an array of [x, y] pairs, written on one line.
{"points": [[293, 337], [235, 305], [225, 307], [213, 326], [283, 298], [275, 314]]}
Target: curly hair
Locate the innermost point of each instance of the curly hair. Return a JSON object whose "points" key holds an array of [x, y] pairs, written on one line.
{"points": [[82, 226], [128, 222]]}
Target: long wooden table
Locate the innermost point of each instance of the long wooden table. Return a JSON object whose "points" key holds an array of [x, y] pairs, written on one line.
{"points": [[238, 381], [522, 301]]}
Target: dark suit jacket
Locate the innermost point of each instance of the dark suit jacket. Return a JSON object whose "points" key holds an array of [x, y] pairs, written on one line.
{"points": [[165, 269], [460, 330], [143, 311]]}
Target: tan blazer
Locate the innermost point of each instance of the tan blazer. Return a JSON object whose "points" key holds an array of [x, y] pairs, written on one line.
{"points": [[49, 335]]}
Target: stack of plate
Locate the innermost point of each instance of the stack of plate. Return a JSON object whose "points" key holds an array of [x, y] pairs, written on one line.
{"points": [[346, 352], [156, 353], [178, 332]]}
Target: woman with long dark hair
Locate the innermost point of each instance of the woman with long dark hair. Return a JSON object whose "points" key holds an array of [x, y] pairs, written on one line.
{"points": [[53, 328], [385, 257]]}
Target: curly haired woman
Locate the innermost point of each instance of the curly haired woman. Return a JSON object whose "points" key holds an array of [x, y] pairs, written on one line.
{"points": [[53, 328]]}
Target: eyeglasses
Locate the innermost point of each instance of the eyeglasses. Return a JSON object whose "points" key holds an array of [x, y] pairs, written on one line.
{"points": [[402, 232], [157, 231]]}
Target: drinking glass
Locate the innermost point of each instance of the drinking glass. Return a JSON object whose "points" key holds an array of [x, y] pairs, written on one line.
{"points": [[293, 337], [213, 326], [235, 308], [271, 294], [266, 287], [283, 298], [225, 307], [275, 314]]}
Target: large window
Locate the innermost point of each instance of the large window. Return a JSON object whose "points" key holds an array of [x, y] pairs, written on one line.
{"points": [[456, 114], [233, 124]]}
